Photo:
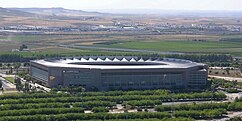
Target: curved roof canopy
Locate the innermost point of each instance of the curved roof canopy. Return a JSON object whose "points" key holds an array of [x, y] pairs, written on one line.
{"points": [[116, 62]]}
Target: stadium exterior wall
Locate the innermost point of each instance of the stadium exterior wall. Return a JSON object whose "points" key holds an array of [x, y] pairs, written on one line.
{"points": [[120, 73]]}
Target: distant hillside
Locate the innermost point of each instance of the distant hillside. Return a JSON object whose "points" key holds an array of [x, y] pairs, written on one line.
{"points": [[10, 12], [172, 13], [57, 11]]}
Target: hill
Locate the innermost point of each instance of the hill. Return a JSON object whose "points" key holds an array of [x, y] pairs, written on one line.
{"points": [[10, 12], [57, 11]]}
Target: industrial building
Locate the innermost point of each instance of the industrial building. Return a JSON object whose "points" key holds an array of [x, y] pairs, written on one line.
{"points": [[105, 73]]}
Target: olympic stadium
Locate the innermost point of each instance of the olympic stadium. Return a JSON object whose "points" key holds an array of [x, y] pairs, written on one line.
{"points": [[105, 73]]}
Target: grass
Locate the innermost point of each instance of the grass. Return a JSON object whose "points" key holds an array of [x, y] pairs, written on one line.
{"points": [[10, 79], [184, 46], [228, 44], [68, 52], [22, 38], [233, 48]]}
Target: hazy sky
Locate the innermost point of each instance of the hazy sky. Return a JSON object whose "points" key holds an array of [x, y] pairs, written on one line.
{"points": [[129, 4]]}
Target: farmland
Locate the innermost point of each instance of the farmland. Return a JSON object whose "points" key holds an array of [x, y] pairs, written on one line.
{"points": [[184, 46], [42, 106], [210, 40], [42, 44]]}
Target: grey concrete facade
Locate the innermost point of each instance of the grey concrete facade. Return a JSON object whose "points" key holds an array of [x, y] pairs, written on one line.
{"points": [[120, 73]]}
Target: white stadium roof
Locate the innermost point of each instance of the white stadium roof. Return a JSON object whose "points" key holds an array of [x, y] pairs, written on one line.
{"points": [[118, 62]]}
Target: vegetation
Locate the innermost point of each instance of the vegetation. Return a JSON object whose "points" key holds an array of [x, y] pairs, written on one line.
{"points": [[26, 56], [151, 119], [204, 114], [223, 63], [40, 111], [194, 106], [22, 47], [216, 58], [235, 119], [143, 103], [229, 86], [80, 116], [22, 38], [1, 84], [11, 79], [118, 99], [99, 109], [183, 46], [56, 106]]}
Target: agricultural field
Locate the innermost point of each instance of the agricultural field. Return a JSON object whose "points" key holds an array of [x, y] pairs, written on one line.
{"points": [[68, 33], [167, 43], [184, 46], [65, 52]]}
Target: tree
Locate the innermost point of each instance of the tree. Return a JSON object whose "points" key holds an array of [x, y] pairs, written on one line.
{"points": [[16, 66], [19, 85], [26, 87], [26, 64], [22, 47], [8, 65], [99, 109], [1, 85]]}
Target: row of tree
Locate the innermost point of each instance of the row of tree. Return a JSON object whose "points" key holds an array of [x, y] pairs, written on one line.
{"points": [[46, 111], [151, 119], [234, 106], [33, 95], [203, 57], [226, 64], [162, 108], [120, 99], [86, 105], [194, 57], [224, 84], [9, 58], [143, 103], [204, 114], [89, 94], [33, 106]]}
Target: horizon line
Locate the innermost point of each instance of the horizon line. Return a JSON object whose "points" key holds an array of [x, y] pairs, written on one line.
{"points": [[125, 9]]}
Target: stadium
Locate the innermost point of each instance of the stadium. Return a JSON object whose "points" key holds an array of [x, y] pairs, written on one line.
{"points": [[105, 73]]}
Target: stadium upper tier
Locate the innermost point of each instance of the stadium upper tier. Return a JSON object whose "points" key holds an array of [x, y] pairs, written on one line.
{"points": [[117, 63]]}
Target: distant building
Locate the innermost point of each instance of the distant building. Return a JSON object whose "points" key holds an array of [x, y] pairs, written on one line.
{"points": [[120, 73]]}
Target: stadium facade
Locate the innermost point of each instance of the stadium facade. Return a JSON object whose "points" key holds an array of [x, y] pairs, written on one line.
{"points": [[120, 73]]}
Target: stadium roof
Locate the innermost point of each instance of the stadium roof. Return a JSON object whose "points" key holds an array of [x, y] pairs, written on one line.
{"points": [[116, 62]]}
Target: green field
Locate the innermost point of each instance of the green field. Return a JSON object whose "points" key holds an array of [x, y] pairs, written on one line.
{"points": [[10, 79], [68, 52], [22, 38], [227, 44], [184, 46], [212, 47]]}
